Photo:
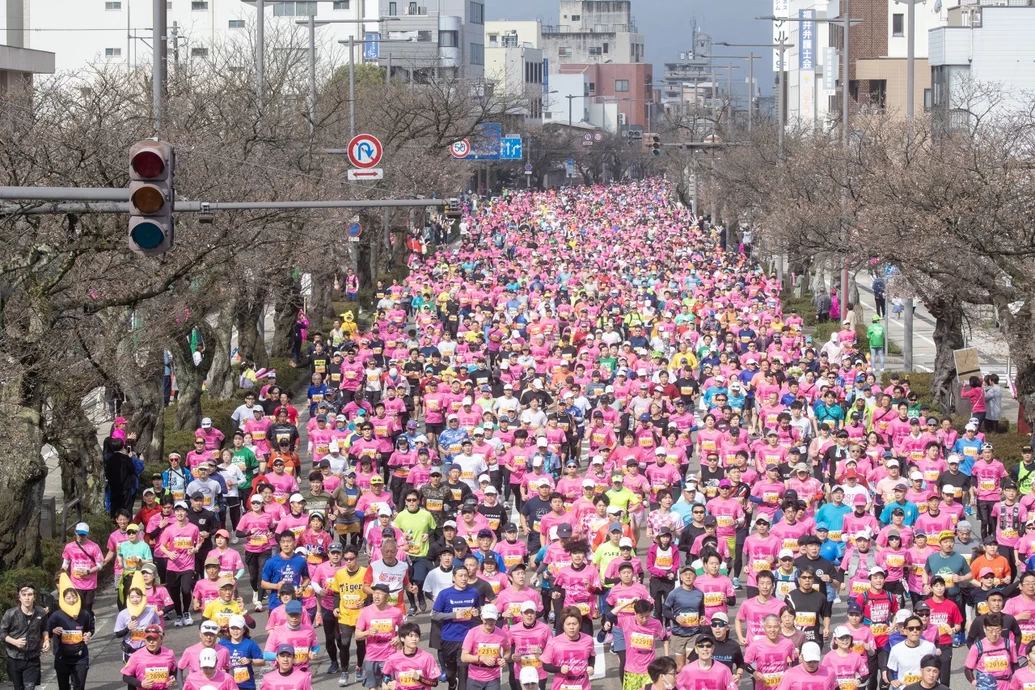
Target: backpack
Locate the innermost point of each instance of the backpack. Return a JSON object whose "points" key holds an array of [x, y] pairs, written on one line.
{"points": [[987, 681]]}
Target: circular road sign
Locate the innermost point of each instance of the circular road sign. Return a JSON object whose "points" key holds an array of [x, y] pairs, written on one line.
{"points": [[365, 151], [528, 167], [460, 149], [598, 136], [353, 230], [587, 137]]}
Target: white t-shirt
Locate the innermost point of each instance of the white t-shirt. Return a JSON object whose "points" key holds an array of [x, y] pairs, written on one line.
{"points": [[905, 660]]}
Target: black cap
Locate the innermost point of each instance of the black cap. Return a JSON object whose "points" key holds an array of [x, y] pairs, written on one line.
{"points": [[710, 521], [485, 533], [564, 530], [381, 588], [197, 496], [458, 543]]}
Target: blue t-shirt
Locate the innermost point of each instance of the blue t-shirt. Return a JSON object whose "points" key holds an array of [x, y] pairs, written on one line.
{"points": [[247, 648], [450, 599], [279, 569]]}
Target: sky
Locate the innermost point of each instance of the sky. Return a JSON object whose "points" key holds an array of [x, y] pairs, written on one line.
{"points": [[666, 25]]}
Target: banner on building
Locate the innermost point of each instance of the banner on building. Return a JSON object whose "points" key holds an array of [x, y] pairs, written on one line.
{"points": [[830, 70], [807, 97], [807, 41], [781, 9]]}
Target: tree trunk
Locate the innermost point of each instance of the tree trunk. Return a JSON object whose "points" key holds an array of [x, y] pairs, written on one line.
{"points": [[288, 304], [74, 437], [23, 475], [145, 410], [320, 302], [190, 378], [248, 310], [221, 383], [400, 250], [948, 336], [1020, 334]]}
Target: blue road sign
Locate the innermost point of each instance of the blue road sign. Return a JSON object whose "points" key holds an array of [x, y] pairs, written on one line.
{"points": [[511, 149], [353, 230], [485, 144]]}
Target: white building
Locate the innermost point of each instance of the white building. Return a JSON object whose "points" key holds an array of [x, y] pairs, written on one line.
{"points": [[118, 32], [594, 31], [986, 45], [515, 69], [559, 108]]}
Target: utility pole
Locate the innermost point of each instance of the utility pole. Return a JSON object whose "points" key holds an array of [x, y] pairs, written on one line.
{"points": [[352, 87], [844, 143], [907, 323], [260, 52], [312, 76], [158, 62]]}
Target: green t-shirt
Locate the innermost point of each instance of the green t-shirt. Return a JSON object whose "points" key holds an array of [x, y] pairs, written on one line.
{"points": [[416, 526], [875, 334], [245, 459], [132, 555], [604, 554]]}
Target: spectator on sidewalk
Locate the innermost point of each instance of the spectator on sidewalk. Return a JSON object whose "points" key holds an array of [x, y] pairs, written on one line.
{"points": [[23, 629], [875, 337]]}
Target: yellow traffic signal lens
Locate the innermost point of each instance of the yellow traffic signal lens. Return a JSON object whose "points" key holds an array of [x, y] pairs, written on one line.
{"points": [[148, 199]]}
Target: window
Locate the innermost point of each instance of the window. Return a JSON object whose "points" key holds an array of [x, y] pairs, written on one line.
{"points": [[621, 85], [564, 52], [898, 25], [294, 9], [340, 5], [413, 9], [494, 40], [605, 49], [576, 17], [591, 87], [447, 39], [424, 37], [169, 6], [115, 6], [393, 9], [510, 40], [199, 5], [477, 54], [236, 24], [596, 50], [199, 52], [112, 52], [477, 13]]}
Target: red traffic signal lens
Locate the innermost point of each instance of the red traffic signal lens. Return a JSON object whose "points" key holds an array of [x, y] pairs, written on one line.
{"points": [[148, 164], [148, 199], [147, 235]]}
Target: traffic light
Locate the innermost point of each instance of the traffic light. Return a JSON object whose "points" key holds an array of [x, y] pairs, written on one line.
{"points": [[152, 165], [453, 209], [655, 144]]}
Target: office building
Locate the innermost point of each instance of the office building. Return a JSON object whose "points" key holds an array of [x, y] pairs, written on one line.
{"points": [[593, 32]]}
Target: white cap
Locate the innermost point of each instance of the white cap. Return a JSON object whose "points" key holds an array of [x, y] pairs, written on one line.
{"points": [[467, 401], [597, 460], [236, 621], [490, 490], [948, 489], [784, 553], [542, 442], [296, 498], [82, 528], [970, 427], [483, 478], [902, 616], [953, 458], [508, 387], [842, 631], [207, 658], [916, 476], [384, 510], [333, 447], [625, 541], [537, 461], [528, 606], [810, 652], [206, 421], [529, 675], [660, 451], [876, 570], [451, 417], [891, 463], [256, 498], [478, 431], [490, 611], [587, 482]]}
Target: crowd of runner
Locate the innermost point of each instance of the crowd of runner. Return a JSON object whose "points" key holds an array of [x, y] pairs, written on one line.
{"points": [[587, 431]]}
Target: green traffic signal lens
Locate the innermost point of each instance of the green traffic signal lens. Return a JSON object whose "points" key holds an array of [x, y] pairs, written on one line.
{"points": [[147, 235]]}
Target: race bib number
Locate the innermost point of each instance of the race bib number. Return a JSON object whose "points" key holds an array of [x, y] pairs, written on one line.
{"points": [[760, 565], [433, 505], [724, 521], [804, 620], [72, 637], [464, 613], [381, 625], [996, 663], [714, 599], [487, 649], [641, 641], [583, 608], [771, 680], [896, 560], [986, 484], [301, 655], [157, 674], [530, 660], [183, 543], [241, 674], [791, 544]]}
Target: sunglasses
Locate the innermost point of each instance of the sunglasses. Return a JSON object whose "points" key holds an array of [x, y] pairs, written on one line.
{"points": [[914, 628], [349, 559]]}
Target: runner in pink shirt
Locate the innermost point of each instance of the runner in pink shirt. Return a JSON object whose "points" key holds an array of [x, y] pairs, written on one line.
{"points": [[751, 616], [810, 675], [285, 675], [704, 673], [378, 625], [82, 560], [153, 662], [771, 654], [718, 590], [411, 668], [570, 656], [642, 633], [297, 633], [529, 636], [486, 648], [847, 666]]}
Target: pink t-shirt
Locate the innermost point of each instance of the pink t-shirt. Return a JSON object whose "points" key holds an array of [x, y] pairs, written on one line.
{"points": [[383, 626], [798, 678], [562, 651], [160, 667], [114, 539], [753, 613], [993, 659], [81, 558], [493, 644], [205, 591], [847, 669], [302, 638], [693, 677], [409, 671], [179, 541], [190, 660], [220, 681], [528, 644], [258, 527], [639, 643], [716, 592], [296, 680], [771, 659]]}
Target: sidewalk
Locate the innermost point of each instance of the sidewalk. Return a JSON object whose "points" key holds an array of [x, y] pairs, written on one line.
{"points": [[992, 352]]}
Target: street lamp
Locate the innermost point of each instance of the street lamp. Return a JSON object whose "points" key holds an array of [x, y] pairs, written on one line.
{"points": [[729, 79], [751, 57], [312, 24], [783, 45]]}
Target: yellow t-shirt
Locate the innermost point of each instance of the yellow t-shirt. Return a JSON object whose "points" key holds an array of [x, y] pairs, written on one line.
{"points": [[220, 611], [350, 594]]}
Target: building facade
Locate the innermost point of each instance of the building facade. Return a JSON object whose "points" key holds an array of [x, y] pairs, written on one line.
{"points": [[593, 32], [982, 45], [630, 86]]}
